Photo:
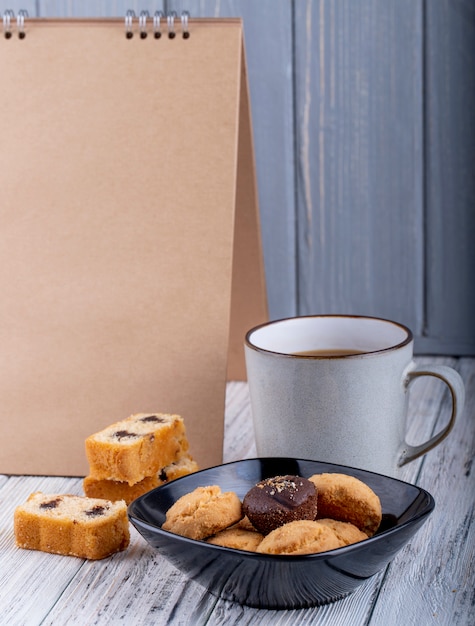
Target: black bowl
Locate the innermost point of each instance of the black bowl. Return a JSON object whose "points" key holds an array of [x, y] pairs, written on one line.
{"points": [[278, 581]]}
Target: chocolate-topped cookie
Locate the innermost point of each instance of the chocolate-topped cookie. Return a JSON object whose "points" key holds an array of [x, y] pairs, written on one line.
{"points": [[278, 500]]}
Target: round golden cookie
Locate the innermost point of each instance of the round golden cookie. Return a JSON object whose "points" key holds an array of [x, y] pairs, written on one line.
{"points": [[246, 524], [300, 537], [348, 499], [346, 532], [203, 512], [237, 538]]}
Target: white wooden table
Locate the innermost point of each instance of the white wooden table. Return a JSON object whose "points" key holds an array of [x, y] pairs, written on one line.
{"points": [[432, 581]]}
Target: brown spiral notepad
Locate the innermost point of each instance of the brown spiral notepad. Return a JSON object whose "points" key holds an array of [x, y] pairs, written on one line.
{"points": [[130, 256]]}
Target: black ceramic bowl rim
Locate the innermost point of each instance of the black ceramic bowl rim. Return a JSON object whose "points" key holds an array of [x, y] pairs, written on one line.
{"points": [[294, 557]]}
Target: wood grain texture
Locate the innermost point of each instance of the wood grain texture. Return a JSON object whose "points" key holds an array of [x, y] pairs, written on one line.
{"points": [[28, 5], [158, 593], [430, 582], [238, 428], [47, 575], [359, 141], [450, 164], [93, 8]]}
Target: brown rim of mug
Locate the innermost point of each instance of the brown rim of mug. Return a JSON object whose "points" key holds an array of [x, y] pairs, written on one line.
{"points": [[406, 341]]}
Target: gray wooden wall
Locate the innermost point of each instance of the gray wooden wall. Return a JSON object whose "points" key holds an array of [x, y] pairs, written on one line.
{"points": [[364, 131]]}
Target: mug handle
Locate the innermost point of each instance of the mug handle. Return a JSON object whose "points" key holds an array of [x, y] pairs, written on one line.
{"points": [[454, 382]]}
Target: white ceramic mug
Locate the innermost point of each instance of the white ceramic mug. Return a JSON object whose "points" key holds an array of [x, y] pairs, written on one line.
{"points": [[347, 407]]}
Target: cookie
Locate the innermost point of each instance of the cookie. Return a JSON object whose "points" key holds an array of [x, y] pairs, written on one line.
{"points": [[237, 538], [347, 533], [276, 501], [245, 524], [203, 512], [348, 499], [300, 537]]}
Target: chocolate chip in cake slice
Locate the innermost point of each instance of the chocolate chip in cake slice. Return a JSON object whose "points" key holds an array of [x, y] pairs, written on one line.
{"points": [[96, 511], [124, 434], [152, 418], [51, 504]]}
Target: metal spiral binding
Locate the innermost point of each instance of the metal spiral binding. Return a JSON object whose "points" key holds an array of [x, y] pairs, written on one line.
{"points": [[143, 23], [129, 17], [171, 17], [158, 17], [8, 17], [184, 24], [20, 20]]}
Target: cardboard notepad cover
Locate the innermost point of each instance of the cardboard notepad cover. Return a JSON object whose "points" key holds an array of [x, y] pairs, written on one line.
{"points": [[127, 203]]}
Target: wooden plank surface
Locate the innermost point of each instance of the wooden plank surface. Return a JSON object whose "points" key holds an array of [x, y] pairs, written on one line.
{"points": [[95, 8], [359, 142], [433, 579], [430, 582], [46, 576], [450, 163]]}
